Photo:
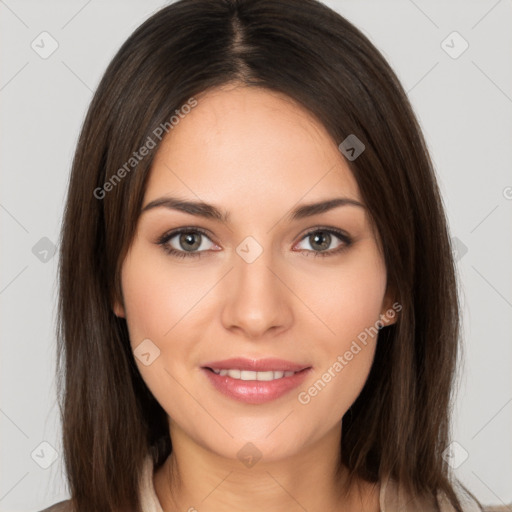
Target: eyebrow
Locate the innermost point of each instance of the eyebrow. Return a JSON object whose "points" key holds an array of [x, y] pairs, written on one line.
{"points": [[209, 211]]}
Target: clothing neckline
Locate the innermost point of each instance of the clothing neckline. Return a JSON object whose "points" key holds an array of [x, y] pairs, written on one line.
{"points": [[150, 502], [391, 497]]}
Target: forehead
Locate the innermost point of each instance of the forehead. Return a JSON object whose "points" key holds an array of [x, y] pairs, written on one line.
{"points": [[253, 144]]}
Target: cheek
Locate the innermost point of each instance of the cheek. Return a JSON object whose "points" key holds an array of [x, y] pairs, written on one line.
{"points": [[347, 298], [344, 351], [161, 304], [157, 296]]}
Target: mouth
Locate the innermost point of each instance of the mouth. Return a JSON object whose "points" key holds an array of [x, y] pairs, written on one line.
{"points": [[238, 374], [255, 381]]}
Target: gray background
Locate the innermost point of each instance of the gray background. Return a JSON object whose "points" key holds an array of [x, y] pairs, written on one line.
{"points": [[464, 105]]}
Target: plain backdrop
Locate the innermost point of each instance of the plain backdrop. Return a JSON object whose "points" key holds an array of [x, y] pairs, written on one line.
{"points": [[454, 60]]}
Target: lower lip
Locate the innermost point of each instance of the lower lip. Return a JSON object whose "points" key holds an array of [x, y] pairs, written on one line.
{"points": [[255, 391]]}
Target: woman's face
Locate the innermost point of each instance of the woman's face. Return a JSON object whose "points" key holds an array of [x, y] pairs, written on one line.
{"points": [[263, 283]]}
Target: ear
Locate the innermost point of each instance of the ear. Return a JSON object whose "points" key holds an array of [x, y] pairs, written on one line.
{"points": [[390, 308], [118, 308]]}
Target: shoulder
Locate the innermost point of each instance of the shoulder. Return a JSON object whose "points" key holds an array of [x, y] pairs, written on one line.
{"points": [[469, 502], [149, 499], [393, 497], [61, 506]]}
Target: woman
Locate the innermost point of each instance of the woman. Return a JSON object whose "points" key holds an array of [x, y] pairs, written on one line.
{"points": [[258, 306]]}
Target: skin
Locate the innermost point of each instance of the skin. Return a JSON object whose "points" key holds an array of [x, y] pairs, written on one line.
{"points": [[257, 155]]}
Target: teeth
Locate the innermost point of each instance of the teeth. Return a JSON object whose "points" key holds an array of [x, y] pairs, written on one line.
{"points": [[250, 375]]}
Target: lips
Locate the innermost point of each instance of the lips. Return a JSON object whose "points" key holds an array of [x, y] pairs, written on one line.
{"points": [[251, 375], [255, 381]]}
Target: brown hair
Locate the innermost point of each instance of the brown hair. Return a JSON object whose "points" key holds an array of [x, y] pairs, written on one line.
{"points": [[305, 50]]}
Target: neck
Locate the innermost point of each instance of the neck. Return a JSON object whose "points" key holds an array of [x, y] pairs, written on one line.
{"points": [[194, 478]]}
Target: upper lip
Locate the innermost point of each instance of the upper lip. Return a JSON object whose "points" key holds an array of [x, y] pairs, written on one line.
{"points": [[256, 365]]}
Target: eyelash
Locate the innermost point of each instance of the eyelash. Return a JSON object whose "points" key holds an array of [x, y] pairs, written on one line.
{"points": [[164, 239]]}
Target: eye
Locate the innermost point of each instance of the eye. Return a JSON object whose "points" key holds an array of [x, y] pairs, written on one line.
{"points": [[185, 242], [191, 242], [320, 239]]}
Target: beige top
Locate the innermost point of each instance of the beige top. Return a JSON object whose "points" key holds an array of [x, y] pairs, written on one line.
{"points": [[391, 498]]}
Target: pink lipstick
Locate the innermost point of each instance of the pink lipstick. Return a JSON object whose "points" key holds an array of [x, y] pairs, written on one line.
{"points": [[255, 381]]}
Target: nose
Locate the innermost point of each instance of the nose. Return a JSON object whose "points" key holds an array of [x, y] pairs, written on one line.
{"points": [[257, 298]]}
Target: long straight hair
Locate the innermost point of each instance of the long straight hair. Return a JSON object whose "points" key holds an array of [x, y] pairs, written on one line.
{"points": [[301, 48]]}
